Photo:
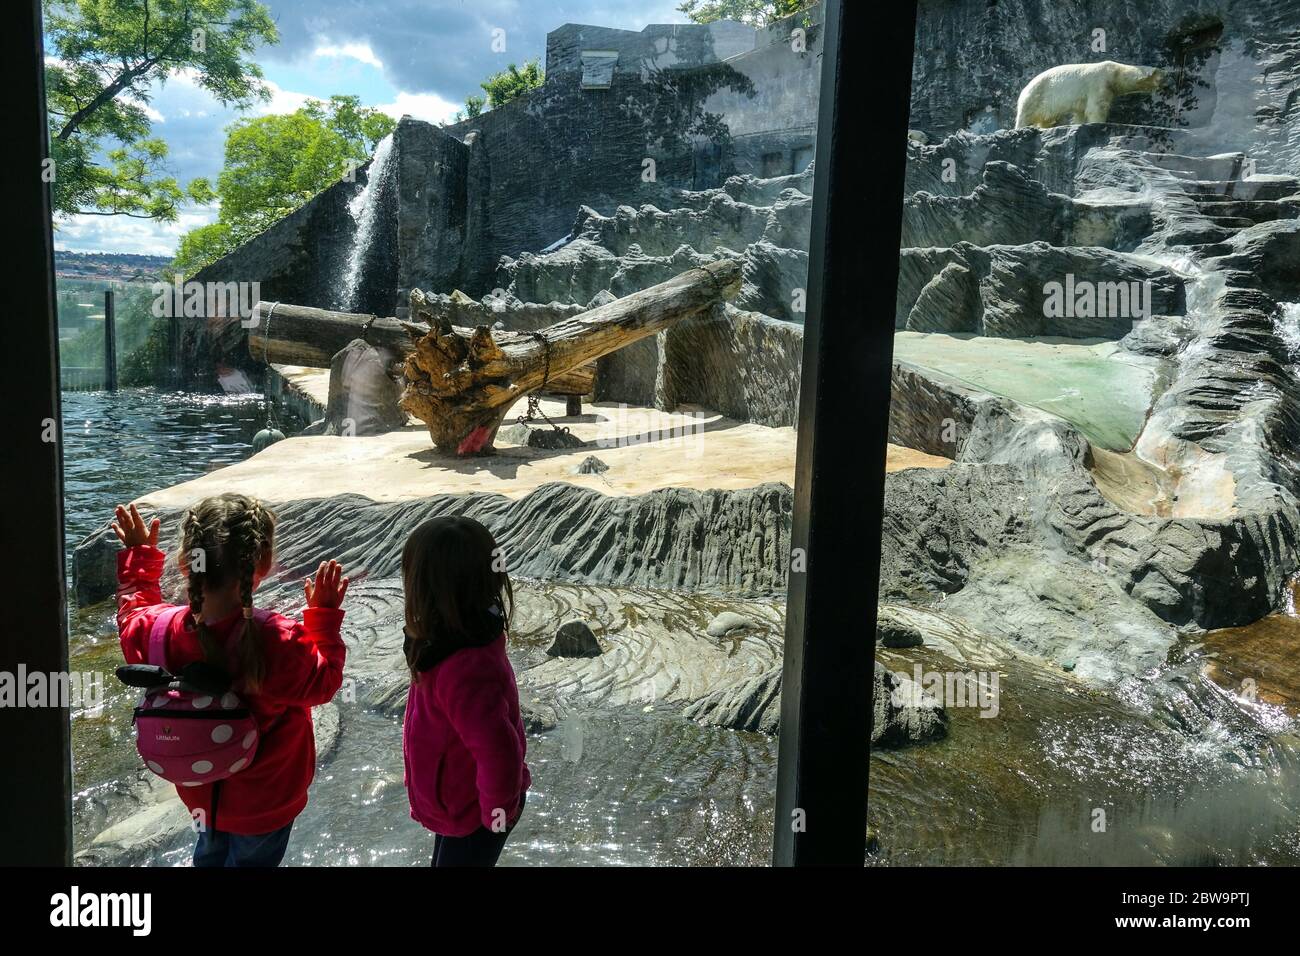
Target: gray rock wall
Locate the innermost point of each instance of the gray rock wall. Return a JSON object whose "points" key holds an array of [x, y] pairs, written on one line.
{"points": [[733, 542], [432, 223], [299, 259], [1235, 63]]}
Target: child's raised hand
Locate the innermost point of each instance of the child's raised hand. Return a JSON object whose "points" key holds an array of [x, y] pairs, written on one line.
{"points": [[131, 531], [328, 588]]}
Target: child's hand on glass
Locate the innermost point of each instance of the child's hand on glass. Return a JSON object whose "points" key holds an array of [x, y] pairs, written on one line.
{"points": [[328, 588], [131, 531]]}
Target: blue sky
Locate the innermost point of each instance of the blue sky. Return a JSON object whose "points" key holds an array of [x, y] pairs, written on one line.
{"points": [[421, 57]]}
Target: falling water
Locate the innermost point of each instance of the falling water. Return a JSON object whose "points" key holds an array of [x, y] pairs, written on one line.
{"points": [[1288, 328], [366, 209]]}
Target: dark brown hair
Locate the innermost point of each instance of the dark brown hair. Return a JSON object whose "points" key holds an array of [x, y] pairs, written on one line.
{"points": [[458, 593], [222, 539]]}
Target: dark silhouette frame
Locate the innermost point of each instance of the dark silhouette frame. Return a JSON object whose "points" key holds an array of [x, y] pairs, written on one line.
{"points": [[825, 740]]}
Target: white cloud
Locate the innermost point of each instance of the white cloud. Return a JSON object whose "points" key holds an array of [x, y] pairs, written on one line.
{"points": [[124, 234], [360, 52], [424, 106], [149, 111], [282, 100]]}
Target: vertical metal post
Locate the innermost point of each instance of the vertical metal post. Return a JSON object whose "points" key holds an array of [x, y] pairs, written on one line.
{"points": [[174, 350], [36, 797], [110, 343], [821, 803]]}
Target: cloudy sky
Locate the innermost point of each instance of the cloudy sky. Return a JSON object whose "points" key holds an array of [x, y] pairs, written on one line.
{"points": [[421, 57]]}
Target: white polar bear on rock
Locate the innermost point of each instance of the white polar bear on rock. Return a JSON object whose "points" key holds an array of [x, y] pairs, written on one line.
{"points": [[1081, 92]]}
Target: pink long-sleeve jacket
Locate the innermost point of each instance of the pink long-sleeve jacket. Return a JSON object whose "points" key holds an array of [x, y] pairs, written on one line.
{"points": [[463, 743]]}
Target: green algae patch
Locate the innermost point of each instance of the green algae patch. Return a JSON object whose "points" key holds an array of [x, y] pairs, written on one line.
{"points": [[1093, 385]]}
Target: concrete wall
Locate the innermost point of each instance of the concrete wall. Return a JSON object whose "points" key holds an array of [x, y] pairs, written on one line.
{"points": [[432, 231], [645, 52], [773, 128], [538, 159], [703, 102]]}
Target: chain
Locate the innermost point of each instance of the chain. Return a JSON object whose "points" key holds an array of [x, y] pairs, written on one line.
{"points": [[535, 399], [266, 336]]}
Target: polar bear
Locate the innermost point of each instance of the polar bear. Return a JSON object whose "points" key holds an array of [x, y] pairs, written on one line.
{"points": [[1081, 92]]}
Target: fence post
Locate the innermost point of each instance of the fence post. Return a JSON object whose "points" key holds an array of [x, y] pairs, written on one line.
{"points": [[110, 343], [174, 350]]}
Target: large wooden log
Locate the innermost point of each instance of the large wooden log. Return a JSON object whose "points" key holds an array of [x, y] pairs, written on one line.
{"points": [[461, 383], [300, 335]]}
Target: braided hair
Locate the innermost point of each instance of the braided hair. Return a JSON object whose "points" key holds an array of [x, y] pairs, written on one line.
{"points": [[225, 538]]}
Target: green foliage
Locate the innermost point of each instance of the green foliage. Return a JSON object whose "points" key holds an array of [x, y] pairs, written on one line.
{"points": [[105, 55], [274, 164], [756, 13], [141, 337], [148, 363], [501, 88]]}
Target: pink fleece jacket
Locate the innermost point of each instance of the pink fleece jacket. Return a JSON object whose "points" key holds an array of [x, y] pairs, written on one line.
{"points": [[463, 742]]}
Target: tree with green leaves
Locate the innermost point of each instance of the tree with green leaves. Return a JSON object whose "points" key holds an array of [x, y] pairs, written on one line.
{"points": [[512, 82], [104, 57], [274, 164], [501, 88], [755, 13]]}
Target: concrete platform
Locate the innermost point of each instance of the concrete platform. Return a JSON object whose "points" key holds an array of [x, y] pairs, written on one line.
{"points": [[645, 449]]}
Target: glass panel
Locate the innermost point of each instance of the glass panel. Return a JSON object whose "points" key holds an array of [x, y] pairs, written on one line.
{"points": [[340, 304], [1089, 536]]}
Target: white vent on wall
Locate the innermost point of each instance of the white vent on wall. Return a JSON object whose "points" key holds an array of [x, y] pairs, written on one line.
{"points": [[598, 69]]}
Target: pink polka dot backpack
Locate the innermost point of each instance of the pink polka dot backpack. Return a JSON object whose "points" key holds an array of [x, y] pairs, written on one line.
{"points": [[191, 729]]}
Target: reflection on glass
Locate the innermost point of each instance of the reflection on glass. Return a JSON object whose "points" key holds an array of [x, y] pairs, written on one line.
{"points": [[1086, 581], [571, 308]]}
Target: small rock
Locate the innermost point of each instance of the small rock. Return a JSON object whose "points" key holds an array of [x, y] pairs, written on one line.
{"points": [[516, 434], [136, 839], [727, 622], [892, 633], [552, 440], [575, 640], [325, 729], [538, 718], [591, 465], [1069, 665]]}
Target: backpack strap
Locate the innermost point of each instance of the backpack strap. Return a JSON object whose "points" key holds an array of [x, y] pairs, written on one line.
{"points": [[162, 624], [158, 635]]}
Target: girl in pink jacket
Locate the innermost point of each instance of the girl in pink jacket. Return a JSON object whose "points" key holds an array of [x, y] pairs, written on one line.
{"points": [[462, 738]]}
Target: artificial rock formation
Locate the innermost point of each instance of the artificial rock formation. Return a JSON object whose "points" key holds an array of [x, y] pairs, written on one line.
{"points": [[364, 399], [1077, 554], [901, 712]]}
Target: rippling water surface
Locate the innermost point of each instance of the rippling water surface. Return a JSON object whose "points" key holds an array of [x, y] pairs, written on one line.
{"points": [[1177, 766]]}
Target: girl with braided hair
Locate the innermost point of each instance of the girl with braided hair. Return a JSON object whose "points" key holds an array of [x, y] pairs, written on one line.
{"points": [[279, 667]]}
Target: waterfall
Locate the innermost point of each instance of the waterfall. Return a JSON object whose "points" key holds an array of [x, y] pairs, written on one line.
{"points": [[1288, 328], [366, 210]]}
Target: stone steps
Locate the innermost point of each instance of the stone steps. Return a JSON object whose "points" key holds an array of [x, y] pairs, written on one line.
{"points": [[1256, 188], [1254, 211], [1226, 166], [1231, 222]]}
